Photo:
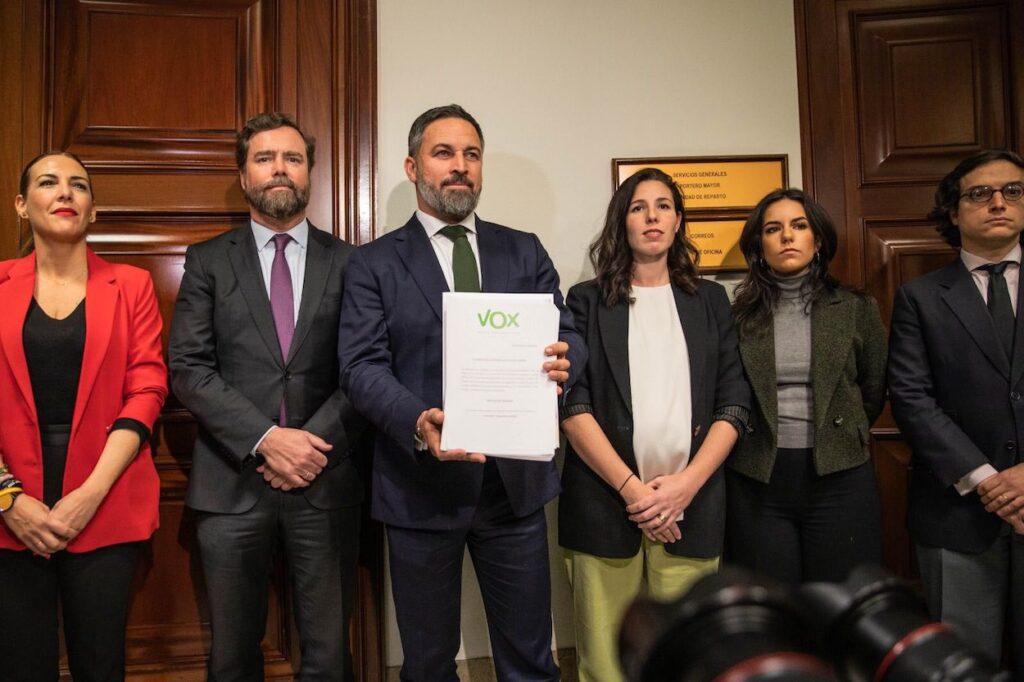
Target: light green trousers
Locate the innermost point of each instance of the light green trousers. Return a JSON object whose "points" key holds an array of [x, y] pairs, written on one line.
{"points": [[603, 588]]}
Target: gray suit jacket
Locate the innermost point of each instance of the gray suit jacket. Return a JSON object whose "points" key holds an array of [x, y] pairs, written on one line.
{"points": [[848, 352], [227, 368]]}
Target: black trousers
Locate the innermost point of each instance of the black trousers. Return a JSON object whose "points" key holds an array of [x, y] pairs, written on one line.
{"points": [[92, 589], [237, 552], [801, 527], [510, 555]]}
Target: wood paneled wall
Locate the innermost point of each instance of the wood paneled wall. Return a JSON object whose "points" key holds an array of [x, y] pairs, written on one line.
{"points": [[149, 93], [894, 93]]}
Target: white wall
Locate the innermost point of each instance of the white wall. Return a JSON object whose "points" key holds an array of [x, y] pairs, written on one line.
{"points": [[560, 88]]}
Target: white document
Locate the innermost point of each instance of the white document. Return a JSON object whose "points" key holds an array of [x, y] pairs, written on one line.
{"points": [[498, 399]]}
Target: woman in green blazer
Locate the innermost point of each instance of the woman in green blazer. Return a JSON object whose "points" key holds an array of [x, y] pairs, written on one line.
{"points": [[802, 498]]}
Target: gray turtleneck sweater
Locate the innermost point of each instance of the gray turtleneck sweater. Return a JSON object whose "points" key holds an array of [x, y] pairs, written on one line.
{"points": [[793, 364]]}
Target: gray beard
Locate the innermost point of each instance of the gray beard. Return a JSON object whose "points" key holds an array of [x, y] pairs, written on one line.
{"points": [[278, 205], [453, 206]]}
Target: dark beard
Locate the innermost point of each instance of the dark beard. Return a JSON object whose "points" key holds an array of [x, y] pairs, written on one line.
{"points": [[454, 205], [278, 205]]}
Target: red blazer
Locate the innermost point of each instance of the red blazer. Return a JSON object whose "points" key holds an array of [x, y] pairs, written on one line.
{"points": [[123, 375]]}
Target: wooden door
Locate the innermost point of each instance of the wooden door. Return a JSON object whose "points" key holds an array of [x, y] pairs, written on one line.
{"points": [[894, 93], [149, 93]]}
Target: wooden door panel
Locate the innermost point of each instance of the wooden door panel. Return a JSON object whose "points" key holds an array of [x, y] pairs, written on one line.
{"points": [[890, 456], [931, 89], [897, 252], [125, 191], [157, 84], [150, 93]]}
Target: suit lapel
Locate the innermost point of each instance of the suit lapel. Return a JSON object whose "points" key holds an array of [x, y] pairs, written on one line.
{"points": [[693, 318], [494, 254], [417, 254], [966, 303], [101, 294], [16, 293], [318, 266], [613, 324], [1017, 364], [832, 323], [245, 264], [758, 355]]}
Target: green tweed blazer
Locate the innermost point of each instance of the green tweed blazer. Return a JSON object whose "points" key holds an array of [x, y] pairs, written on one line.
{"points": [[848, 356]]}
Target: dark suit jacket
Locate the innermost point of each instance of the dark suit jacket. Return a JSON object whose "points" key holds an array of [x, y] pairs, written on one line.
{"points": [[227, 368], [390, 349], [848, 351], [591, 515], [957, 399], [123, 376]]}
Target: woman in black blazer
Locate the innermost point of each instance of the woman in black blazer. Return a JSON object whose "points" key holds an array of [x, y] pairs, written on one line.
{"points": [[650, 421], [803, 503]]}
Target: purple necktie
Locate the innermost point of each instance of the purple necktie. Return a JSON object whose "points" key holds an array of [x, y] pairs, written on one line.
{"points": [[282, 302]]}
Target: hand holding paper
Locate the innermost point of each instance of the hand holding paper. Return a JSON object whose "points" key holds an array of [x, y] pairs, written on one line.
{"points": [[428, 427], [557, 369]]}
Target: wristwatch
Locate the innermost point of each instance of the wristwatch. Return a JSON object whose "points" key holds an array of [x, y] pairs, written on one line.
{"points": [[7, 501]]}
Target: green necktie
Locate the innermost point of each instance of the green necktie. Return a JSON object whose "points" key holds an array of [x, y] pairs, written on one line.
{"points": [[463, 261]]}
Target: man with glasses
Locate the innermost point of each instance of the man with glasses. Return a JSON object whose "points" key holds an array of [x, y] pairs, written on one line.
{"points": [[956, 374]]}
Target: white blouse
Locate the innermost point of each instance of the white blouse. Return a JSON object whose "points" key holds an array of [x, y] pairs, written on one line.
{"points": [[659, 378]]}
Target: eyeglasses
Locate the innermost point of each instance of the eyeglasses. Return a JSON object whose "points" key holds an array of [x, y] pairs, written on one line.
{"points": [[983, 193]]}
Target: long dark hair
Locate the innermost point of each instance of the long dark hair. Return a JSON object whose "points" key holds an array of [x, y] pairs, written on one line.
{"points": [[758, 293], [613, 259], [30, 244]]}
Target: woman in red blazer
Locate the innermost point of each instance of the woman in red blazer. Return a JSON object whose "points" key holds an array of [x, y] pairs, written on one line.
{"points": [[82, 380]]}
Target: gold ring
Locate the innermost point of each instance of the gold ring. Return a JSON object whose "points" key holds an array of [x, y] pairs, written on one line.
{"points": [[1002, 497], [661, 518]]}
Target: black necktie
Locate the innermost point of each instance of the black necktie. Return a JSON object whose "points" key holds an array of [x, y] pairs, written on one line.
{"points": [[463, 261], [999, 305]]}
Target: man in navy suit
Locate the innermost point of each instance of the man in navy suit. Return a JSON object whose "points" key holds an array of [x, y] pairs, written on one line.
{"points": [[956, 375], [436, 503]]}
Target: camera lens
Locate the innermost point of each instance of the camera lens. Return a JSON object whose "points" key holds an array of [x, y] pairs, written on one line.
{"points": [[729, 626], [874, 627]]}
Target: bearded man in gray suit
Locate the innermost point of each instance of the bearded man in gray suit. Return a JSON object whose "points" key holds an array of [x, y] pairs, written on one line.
{"points": [[253, 356]]}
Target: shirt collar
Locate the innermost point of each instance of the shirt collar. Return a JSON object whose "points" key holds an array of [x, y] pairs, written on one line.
{"points": [[973, 261], [263, 234], [434, 225]]}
